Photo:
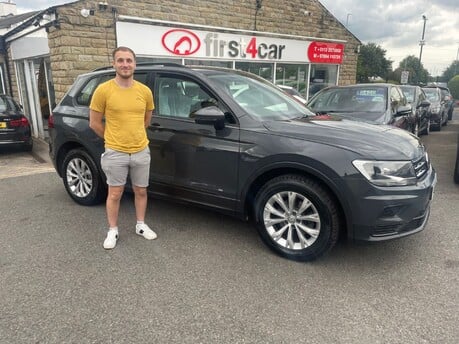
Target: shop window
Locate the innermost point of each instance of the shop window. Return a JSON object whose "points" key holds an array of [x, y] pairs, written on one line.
{"points": [[265, 70], [293, 75], [322, 76], [226, 64]]}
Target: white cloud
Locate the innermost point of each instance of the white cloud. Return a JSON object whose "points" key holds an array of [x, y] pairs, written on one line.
{"points": [[397, 27]]}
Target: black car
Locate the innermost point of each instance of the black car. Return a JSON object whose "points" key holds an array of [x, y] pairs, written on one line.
{"points": [[438, 111], [449, 101], [421, 107], [14, 126], [231, 141], [374, 103]]}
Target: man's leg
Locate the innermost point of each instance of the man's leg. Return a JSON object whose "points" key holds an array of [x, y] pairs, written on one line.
{"points": [[115, 166], [113, 204], [141, 200], [140, 171]]}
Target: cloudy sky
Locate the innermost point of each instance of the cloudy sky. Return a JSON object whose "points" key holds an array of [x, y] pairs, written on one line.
{"points": [[395, 25]]}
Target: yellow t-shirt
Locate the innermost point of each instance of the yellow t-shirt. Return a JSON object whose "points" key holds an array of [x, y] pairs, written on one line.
{"points": [[124, 110]]}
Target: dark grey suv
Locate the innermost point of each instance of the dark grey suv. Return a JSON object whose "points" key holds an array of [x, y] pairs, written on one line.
{"points": [[233, 142]]}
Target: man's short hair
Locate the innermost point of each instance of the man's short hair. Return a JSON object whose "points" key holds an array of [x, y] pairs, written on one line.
{"points": [[123, 49]]}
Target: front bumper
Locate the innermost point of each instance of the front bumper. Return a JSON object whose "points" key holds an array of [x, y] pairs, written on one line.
{"points": [[390, 213]]}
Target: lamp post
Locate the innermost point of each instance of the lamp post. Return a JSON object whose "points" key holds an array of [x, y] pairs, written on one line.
{"points": [[347, 18], [422, 41]]}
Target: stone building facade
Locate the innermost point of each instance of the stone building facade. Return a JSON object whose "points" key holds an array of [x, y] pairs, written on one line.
{"points": [[77, 37]]}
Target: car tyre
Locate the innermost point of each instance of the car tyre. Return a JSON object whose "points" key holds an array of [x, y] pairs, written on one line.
{"points": [[296, 217], [82, 178]]}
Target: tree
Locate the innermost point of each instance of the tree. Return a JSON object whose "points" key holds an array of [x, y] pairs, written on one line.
{"points": [[450, 72], [453, 86], [418, 74], [372, 63]]}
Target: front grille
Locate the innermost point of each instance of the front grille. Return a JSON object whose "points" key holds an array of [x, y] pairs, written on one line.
{"points": [[421, 166]]}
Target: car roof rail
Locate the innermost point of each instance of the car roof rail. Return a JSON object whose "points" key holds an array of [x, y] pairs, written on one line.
{"points": [[144, 64]]}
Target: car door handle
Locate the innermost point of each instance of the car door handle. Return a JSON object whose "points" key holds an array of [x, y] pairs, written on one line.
{"points": [[155, 124]]}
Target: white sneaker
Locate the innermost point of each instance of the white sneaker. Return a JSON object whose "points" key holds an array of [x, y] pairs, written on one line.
{"points": [[145, 231], [110, 240]]}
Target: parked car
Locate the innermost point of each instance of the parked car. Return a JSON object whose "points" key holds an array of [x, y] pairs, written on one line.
{"points": [[420, 106], [293, 92], [374, 103], [449, 101], [14, 125], [438, 114], [234, 142]]}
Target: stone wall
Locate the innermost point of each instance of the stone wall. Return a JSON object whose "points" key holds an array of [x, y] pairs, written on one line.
{"points": [[82, 44]]}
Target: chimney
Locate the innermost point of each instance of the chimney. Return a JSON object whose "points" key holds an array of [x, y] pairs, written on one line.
{"points": [[7, 8]]}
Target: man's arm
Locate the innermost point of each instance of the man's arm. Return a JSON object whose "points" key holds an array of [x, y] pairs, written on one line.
{"points": [[96, 122], [148, 115]]}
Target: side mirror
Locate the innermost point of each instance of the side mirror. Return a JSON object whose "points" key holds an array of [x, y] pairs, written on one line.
{"points": [[210, 115], [424, 103], [404, 110]]}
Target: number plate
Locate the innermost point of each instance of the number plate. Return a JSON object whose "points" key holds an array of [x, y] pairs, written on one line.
{"points": [[2, 125]]}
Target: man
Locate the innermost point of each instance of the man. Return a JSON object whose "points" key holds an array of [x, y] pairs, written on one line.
{"points": [[127, 106]]}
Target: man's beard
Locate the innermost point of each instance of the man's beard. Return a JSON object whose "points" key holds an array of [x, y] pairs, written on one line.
{"points": [[125, 76]]}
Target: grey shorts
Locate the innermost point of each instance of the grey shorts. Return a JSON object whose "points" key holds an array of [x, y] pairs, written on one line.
{"points": [[117, 166]]}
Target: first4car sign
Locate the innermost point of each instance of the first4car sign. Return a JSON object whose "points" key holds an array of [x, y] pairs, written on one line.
{"points": [[191, 43]]}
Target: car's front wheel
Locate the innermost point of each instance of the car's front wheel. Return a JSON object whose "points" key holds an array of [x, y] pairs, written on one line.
{"points": [[296, 217], [82, 179]]}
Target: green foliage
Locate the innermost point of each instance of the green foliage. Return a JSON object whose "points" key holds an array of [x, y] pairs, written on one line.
{"points": [[372, 63], [418, 74], [450, 72], [453, 86]]}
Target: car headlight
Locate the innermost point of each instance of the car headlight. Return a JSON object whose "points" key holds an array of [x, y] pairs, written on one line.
{"points": [[387, 173]]}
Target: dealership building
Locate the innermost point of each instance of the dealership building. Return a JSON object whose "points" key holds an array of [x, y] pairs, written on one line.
{"points": [[294, 43]]}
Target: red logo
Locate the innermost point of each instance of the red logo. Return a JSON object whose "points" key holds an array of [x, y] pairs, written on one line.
{"points": [[181, 42]]}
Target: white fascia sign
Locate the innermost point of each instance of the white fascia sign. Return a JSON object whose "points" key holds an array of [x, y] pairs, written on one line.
{"points": [[157, 40]]}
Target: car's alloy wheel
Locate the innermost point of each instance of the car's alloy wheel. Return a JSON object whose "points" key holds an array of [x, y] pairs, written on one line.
{"points": [[296, 217], [82, 179]]}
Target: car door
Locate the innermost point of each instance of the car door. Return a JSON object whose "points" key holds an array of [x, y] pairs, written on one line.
{"points": [[190, 161], [397, 99]]}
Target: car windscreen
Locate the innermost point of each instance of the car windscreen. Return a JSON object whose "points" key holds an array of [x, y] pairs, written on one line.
{"points": [[350, 99], [432, 94], [409, 93], [259, 98]]}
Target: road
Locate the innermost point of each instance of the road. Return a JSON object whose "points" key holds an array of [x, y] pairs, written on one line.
{"points": [[209, 279]]}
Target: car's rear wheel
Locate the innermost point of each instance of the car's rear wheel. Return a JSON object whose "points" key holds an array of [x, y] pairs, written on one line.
{"points": [[296, 217], [82, 179]]}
